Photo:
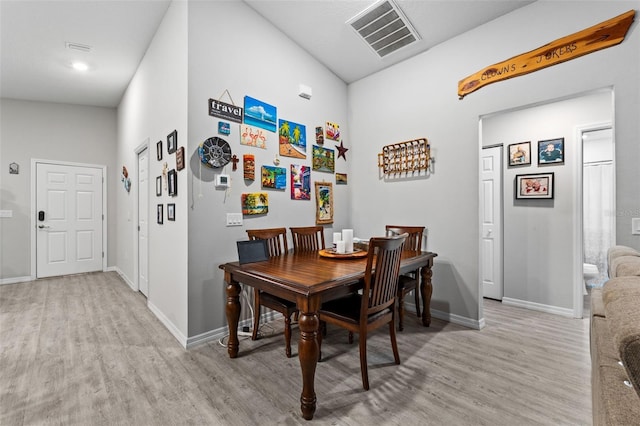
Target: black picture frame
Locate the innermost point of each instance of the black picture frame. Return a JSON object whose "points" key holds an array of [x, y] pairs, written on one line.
{"points": [[160, 214], [171, 212], [159, 150], [551, 151], [536, 186], [173, 182], [159, 186], [520, 154], [180, 158], [172, 142]]}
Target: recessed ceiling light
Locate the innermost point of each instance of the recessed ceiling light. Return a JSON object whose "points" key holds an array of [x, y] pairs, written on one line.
{"points": [[80, 66]]}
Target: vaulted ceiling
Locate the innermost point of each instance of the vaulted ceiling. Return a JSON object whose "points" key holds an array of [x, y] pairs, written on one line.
{"points": [[111, 37]]}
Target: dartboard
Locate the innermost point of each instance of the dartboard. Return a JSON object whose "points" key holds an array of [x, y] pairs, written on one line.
{"points": [[215, 152]]}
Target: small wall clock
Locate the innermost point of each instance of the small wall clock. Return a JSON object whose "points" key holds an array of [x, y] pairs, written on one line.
{"points": [[215, 152]]}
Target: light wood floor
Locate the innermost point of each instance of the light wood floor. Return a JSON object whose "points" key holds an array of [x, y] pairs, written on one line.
{"points": [[85, 350]]}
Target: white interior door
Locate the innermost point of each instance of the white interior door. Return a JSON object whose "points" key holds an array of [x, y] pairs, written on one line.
{"points": [[69, 219], [143, 222], [491, 215]]}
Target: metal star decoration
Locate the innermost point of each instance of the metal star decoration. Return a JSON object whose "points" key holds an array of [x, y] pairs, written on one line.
{"points": [[342, 151]]}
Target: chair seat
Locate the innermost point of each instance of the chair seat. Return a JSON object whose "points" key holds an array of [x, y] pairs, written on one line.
{"points": [[347, 309], [277, 303], [406, 282]]}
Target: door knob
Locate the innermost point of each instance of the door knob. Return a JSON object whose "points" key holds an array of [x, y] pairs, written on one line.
{"points": [[43, 226]]}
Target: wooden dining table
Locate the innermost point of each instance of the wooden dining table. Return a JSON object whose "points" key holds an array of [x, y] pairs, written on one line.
{"points": [[309, 279]]}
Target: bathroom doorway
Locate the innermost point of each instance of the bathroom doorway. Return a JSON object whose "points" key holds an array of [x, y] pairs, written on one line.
{"points": [[598, 202]]}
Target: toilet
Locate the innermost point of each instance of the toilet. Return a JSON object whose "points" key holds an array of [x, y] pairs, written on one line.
{"points": [[589, 271]]}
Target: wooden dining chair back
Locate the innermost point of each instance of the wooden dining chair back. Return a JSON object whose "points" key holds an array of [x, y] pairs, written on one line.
{"points": [[408, 282], [276, 239], [277, 245], [307, 238], [375, 307]]}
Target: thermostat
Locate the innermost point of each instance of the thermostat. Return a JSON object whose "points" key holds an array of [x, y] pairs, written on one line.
{"points": [[222, 181]]}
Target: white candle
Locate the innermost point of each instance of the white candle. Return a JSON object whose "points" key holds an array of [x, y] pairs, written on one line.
{"points": [[337, 236], [339, 246], [347, 237]]}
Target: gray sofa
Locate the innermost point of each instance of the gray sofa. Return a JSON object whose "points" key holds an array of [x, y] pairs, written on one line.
{"points": [[615, 341]]}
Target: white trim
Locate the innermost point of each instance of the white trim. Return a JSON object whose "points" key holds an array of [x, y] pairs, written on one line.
{"points": [[123, 276], [136, 213], [578, 229], [556, 310], [16, 280], [168, 324], [458, 319], [32, 208]]}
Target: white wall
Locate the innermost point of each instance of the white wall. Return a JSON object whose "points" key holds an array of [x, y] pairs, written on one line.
{"points": [[418, 98], [231, 47], [155, 104], [70, 133], [539, 235]]}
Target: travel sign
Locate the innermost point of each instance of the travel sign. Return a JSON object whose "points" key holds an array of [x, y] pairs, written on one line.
{"points": [[227, 111]]}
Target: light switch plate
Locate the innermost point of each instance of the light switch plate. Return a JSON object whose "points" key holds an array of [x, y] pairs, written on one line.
{"points": [[234, 219], [635, 225], [6, 213]]}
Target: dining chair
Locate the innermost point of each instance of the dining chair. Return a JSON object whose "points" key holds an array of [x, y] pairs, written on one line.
{"points": [[277, 245], [408, 282], [375, 307], [307, 238]]}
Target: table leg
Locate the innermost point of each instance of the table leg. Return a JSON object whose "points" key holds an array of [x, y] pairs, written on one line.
{"points": [[308, 352], [233, 314], [426, 290]]}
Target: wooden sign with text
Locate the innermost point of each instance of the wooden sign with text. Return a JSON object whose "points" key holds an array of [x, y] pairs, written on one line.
{"points": [[605, 34]]}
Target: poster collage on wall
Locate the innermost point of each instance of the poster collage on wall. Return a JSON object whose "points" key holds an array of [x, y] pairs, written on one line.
{"points": [[260, 127]]}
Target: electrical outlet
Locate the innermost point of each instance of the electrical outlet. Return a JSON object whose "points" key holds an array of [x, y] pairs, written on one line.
{"points": [[234, 219], [635, 225]]}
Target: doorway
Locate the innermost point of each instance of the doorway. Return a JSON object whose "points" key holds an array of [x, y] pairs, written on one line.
{"points": [[542, 260], [598, 201], [68, 217]]}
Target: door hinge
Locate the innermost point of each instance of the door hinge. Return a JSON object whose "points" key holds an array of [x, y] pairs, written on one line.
{"points": [[103, 255]]}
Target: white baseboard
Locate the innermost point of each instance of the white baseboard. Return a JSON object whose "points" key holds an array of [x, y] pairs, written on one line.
{"points": [[458, 319], [123, 276], [565, 312], [16, 280], [168, 324]]}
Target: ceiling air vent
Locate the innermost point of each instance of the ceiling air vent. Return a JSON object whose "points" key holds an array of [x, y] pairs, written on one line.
{"points": [[384, 28], [78, 46]]}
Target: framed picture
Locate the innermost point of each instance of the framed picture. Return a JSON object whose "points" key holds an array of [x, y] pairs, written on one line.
{"points": [[551, 151], [172, 142], [159, 150], [180, 158], [534, 186], [159, 186], [255, 203], [292, 139], [173, 182], [160, 214], [274, 177], [324, 203], [171, 212], [260, 114], [323, 159], [520, 154]]}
